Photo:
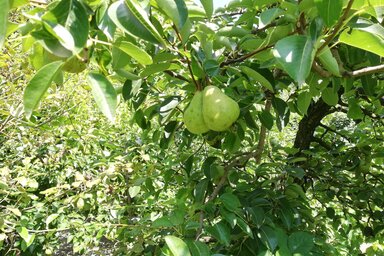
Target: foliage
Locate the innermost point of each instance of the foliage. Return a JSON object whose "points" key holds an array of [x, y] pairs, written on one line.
{"points": [[301, 172]]}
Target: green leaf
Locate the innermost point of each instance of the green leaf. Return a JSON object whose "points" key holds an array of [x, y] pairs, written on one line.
{"points": [[221, 232], [177, 246], [208, 7], [256, 76], [4, 9], [135, 52], [364, 40], [38, 85], [329, 10], [104, 94], [230, 201], [354, 110], [51, 218], [303, 102], [69, 17], [269, 15], [295, 54], [176, 10], [24, 234], [198, 248], [300, 242], [329, 62], [329, 96], [268, 237], [266, 119], [131, 19], [245, 227]]}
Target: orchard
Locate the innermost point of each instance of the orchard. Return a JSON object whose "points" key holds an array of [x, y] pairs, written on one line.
{"points": [[192, 128]]}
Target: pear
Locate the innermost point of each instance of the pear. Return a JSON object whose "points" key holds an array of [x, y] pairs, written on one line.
{"points": [[219, 110], [193, 115]]}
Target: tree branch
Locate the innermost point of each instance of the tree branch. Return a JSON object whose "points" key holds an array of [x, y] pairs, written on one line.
{"points": [[246, 56], [364, 71], [263, 133]]}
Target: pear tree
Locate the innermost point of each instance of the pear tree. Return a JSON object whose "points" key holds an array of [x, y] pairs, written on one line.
{"points": [[264, 117]]}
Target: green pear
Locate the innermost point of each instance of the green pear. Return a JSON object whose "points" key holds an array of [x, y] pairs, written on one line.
{"points": [[219, 110], [193, 115]]}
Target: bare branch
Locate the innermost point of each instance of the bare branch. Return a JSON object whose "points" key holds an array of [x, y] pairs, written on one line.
{"points": [[365, 71], [246, 56]]}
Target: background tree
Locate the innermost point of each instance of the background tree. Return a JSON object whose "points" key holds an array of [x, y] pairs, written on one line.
{"points": [[299, 173]]}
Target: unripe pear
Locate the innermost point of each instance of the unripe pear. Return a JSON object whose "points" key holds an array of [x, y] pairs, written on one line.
{"points": [[193, 115], [219, 110]]}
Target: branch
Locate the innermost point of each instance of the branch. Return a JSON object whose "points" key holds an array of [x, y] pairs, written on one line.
{"points": [[262, 136], [364, 71], [172, 74], [338, 26], [318, 69], [246, 56]]}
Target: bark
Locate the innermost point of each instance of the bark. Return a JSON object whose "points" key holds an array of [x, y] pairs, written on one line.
{"points": [[307, 126]]}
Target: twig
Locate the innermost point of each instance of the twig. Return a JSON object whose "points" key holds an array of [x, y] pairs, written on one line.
{"points": [[262, 136], [338, 26], [246, 56], [172, 74], [365, 71]]}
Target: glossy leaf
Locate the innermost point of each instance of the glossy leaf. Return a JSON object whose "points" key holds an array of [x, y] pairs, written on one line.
{"points": [[25, 235], [268, 237], [364, 40], [221, 232], [230, 201], [329, 10], [176, 10], [295, 54], [104, 94], [126, 20], [4, 9], [266, 119], [256, 76], [199, 248], [70, 16], [135, 52], [177, 246], [38, 85], [300, 242], [269, 15]]}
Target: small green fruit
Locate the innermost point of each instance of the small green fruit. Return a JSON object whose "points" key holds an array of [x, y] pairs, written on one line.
{"points": [[193, 115], [219, 110]]}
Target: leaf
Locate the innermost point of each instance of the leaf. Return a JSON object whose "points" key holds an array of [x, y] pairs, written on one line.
{"points": [[329, 10], [245, 227], [176, 10], [266, 119], [256, 76], [300, 242], [134, 191], [72, 16], [104, 94], [208, 7], [295, 54], [354, 110], [221, 232], [131, 19], [269, 15], [199, 248], [24, 234], [268, 237], [364, 40], [135, 52], [230, 201], [329, 96], [303, 101], [51, 218], [4, 9], [177, 246], [329, 62], [38, 85]]}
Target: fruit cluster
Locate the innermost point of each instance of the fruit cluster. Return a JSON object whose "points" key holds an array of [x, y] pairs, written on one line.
{"points": [[210, 109]]}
